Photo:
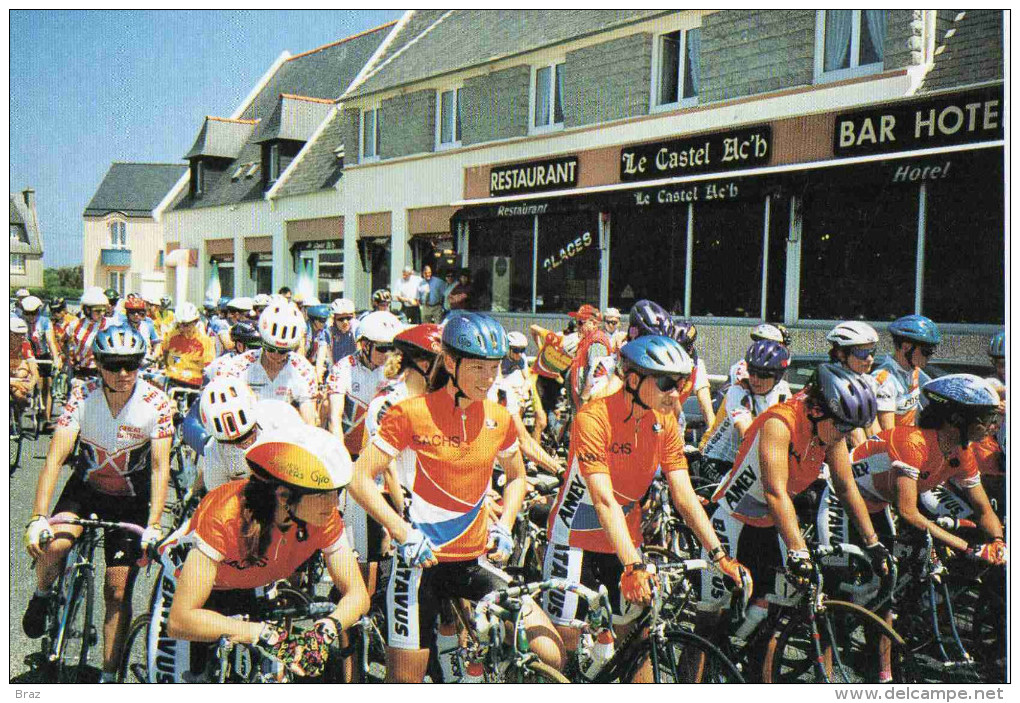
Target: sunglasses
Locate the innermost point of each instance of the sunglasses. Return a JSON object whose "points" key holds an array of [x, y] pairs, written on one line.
{"points": [[667, 384], [274, 350], [926, 349], [26, 313], [760, 373], [136, 312], [863, 354], [129, 365], [383, 348], [612, 322], [344, 318]]}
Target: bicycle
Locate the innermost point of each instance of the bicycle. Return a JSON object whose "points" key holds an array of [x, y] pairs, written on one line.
{"points": [[16, 436], [183, 462], [530, 539], [70, 631]]}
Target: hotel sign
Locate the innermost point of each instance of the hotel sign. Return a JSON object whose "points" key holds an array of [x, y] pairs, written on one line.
{"points": [[724, 151], [533, 176]]}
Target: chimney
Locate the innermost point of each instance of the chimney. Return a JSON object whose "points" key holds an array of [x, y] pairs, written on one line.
{"points": [[29, 195]]}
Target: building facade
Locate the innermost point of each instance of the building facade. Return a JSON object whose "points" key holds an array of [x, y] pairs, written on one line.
{"points": [[26, 269], [123, 246]]}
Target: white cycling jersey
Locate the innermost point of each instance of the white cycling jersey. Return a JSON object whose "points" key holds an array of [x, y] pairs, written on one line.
{"points": [[359, 385], [740, 404], [388, 396], [221, 463], [115, 451], [295, 382]]}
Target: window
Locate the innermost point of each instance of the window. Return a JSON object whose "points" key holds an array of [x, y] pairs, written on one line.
{"points": [[370, 129], [449, 119], [547, 98], [330, 275], [226, 275], [264, 277], [500, 260], [117, 281], [17, 263], [198, 176], [727, 238], [274, 162], [677, 69], [160, 259], [849, 43], [118, 235], [647, 258], [19, 233]]}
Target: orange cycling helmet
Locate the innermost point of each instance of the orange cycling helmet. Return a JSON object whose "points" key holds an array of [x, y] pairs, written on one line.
{"points": [[308, 459]]}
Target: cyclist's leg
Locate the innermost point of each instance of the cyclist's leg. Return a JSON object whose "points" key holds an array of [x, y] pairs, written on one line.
{"points": [[73, 501], [412, 603], [122, 551]]}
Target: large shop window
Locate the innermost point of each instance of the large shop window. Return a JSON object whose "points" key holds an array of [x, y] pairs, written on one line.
{"points": [[858, 248], [568, 262], [647, 258], [726, 275], [226, 274], [964, 262], [500, 262]]}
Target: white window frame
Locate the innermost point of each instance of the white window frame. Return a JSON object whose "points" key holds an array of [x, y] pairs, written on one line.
{"points": [[19, 264], [533, 98], [118, 281], [457, 141], [855, 70], [273, 167], [682, 102], [362, 159], [199, 177], [113, 227]]}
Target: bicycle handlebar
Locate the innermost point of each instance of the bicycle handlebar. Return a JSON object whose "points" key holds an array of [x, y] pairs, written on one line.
{"points": [[598, 601]]}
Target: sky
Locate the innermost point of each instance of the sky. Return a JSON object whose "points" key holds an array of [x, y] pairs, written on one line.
{"points": [[91, 88]]}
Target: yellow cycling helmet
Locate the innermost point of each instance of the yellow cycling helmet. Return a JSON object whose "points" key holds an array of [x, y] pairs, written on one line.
{"points": [[301, 456]]}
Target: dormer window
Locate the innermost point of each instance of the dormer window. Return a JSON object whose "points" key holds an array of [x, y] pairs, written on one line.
{"points": [[197, 177], [118, 235], [370, 129], [19, 233], [273, 171]]}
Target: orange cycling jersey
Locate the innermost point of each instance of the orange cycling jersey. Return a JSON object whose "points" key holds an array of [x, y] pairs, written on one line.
{"points": [[988, 455], [216, 529], [743, 490], [606, 439], [913, 452], [454, 450]]}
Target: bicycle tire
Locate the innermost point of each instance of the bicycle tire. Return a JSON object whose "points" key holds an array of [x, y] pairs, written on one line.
{"points": [[536, 672], [700, 661], [134, 659], [78, 631], [791, 656]]}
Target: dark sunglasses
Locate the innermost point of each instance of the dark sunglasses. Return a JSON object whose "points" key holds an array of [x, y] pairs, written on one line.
{"points": [[761, 373], [274, 350], [863, 354], [344, 318], [113, 366], [26, 313], [136, 312], [612, 322], [926, 349], [383, 348], [667, 384]]}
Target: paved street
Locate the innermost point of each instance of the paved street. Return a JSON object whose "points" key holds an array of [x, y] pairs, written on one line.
{"points": [[24, 652]]}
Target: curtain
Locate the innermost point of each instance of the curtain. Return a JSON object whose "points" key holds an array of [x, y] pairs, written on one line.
{"points": [[875, 20], [838, 24], [692, 84]]}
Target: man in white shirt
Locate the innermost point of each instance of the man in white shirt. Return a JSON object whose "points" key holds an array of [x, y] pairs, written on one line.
{"points": [[406, 293]]}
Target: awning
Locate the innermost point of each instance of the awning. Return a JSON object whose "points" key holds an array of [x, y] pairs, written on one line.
{"points": [[375, 225]]}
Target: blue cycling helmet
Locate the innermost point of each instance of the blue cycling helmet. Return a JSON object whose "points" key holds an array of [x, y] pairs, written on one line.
{"points": [[476, 336], [915, 328], [123, 342], [766, 355], [847, 396], [656, 355], [997, 347], [318, 312], [962, 399], [648, 317]]}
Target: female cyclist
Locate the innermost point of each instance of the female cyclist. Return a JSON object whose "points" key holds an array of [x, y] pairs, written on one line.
{"points": [[901, 374], [254, 532], [456, 435], [854, 345]]}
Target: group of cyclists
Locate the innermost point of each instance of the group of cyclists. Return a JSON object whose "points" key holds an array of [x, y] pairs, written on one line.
{"points": [[367, 440]]}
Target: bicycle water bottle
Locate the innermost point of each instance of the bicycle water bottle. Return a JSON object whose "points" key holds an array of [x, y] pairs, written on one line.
{"points": [[601, 652], [474, 672]]}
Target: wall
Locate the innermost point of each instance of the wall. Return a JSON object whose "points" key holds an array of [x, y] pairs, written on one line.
{"points": [[608, 81], [495, 106], [408, 124], [144, 240], [33, 276]]}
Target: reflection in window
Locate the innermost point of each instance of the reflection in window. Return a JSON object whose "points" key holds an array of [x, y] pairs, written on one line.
{"points": [[853, 38], [500, 262], [679, 73], [548, 96], [859, 248], [370, 129], [964, 262], [568, 262], [647, 258], [726, 276], [19, 233], [449, 117], [118, 235], [226, 274]]}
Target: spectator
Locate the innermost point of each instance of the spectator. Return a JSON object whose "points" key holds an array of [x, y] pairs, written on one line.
{"points": [[449, 282], [617, 337], [430, 296], [406, 293], [285, 292], [592, 345], [459, 296]]}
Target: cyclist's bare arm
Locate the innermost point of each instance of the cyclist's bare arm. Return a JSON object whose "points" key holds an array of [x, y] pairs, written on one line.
{"points": [[775, 472], [343, 569], [336, 408], [515, 490], [363, 489], [838, 458], [160, 477], [60, 448], [705, 403], [600, 487], [886, 420], [986, 518], [307, 412], [687, 504], [189, 621], [906, 506], [533, 450]]}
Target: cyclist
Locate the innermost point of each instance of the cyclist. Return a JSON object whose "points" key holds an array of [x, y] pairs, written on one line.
{"points": [[456, 434], [245, 336], [901, 374], [593, 344], [997, 353], [551, 362], [780, 456], [236, 310], [617, 445], [123, 429], [319, 347], [44, 346], [277, 370], [341, 333], [686, 333], [354, 380], [259, 303], [24, 370], [135, 309], [253, 532], [646, 317], [116, 317], [766, 364], [61, 319], [617, 337], [187, 350], [854, 345], [764, 331], [81, 335]]}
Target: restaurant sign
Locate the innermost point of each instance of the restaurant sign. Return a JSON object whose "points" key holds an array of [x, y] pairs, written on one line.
{"points": [[723, 151], [533, 176]]}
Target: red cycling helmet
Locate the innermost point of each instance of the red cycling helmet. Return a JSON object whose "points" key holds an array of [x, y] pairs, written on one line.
{"points": [[420, 340], [133, 302]]}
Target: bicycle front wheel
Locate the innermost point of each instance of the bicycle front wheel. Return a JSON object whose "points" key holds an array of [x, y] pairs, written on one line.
{"points": [[684, 657], [78, 633], [134, 659], [849, 648]]}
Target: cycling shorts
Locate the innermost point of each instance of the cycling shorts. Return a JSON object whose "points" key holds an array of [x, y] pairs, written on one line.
{"points": [[414, 594], [590, 569], [120, 547], [45, 370], [548, 392]]}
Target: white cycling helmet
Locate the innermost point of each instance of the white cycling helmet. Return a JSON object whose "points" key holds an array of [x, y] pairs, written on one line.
{"points": [[242, 304], [260, 301], [342, 306], [281, 325], [93, 297], [306, 458], [152, 299], [186, 312], [227, 409], [18, 326], [30, 303], [767, 331], [22, 293], [380, 327], [517, 340], [852, 333]]}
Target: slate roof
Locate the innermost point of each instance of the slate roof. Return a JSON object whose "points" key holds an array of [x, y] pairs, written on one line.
{"points": [[221, 137], [134, 188], [319, 166], [321, 73], [21, 215], [294, 118], [437, 42], [970, 51]]}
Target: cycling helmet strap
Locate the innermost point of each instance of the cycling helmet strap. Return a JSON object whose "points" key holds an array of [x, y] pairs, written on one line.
{"points": [[302, 527], [635, 395]]}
